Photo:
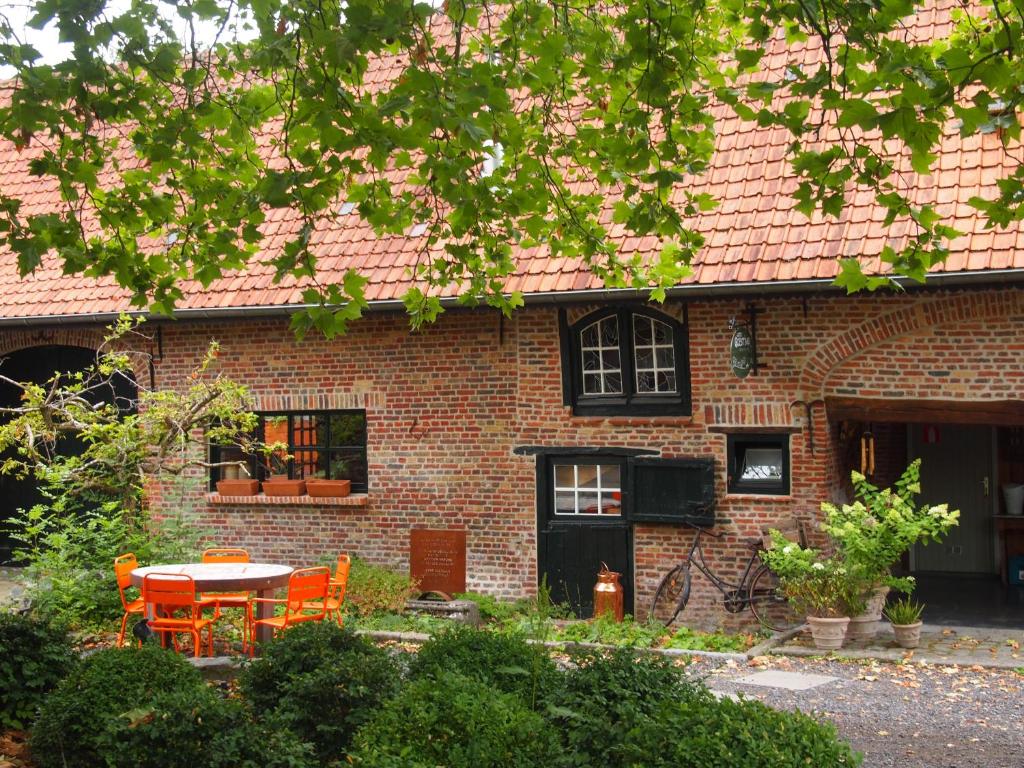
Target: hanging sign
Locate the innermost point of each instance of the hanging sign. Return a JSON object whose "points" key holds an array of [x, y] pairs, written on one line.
{"points": [[741, 351]]}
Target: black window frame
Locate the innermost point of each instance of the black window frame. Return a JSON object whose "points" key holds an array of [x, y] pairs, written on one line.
{"points": [[258, 469], [736, 446], [630, 402]]}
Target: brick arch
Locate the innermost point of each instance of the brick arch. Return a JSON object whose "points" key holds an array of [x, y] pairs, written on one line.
{"points": [[925, 313], [86, 337]]}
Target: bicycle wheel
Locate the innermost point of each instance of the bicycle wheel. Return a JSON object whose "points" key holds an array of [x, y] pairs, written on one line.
{"points": [[671, 595], [768, 605]]}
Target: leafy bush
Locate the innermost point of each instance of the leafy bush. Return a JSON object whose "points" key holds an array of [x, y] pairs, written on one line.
{"points": [[76, 722], [496, 611], [698, 729], [606, 695], [36, 656], [505, 662], [196, 727], [323, 682], [69, 552], [457, 722], [605, 629], [375, 589], [688, 639]]}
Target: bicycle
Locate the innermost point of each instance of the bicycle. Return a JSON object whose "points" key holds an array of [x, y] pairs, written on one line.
{"points": [[758, 587]]}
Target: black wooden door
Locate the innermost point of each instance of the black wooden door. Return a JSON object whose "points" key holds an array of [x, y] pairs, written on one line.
{"points": [[581, 526]]}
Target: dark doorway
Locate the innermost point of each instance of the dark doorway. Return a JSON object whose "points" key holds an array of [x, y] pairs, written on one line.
{"points": [[38, 365], [581, 525]]}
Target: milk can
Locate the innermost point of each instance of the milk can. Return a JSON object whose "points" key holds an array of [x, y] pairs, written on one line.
{"points": [[608, 594]]}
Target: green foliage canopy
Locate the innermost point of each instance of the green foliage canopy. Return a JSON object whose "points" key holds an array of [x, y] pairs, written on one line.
{"points": [[153, 137]]}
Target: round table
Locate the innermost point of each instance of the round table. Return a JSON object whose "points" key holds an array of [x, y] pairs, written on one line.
{"points": [[261, 578]]}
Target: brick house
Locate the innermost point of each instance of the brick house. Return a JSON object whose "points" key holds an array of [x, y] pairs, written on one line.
{"points": [[589, 425]]}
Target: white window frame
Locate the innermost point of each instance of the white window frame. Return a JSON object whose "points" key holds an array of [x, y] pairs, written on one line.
{"points": [[603, 493]]}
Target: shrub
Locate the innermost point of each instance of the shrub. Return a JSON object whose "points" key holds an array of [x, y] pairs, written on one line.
{"points": [[700, 730], [196, 727], [605, 695], [375, 589], [75, 722], [693, 640], [604, 629], [506, 662], [323, 682], [36, 656], [457, 722]]}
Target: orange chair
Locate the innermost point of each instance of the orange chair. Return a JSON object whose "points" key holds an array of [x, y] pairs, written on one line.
{"points": [[338, 584], [227, 599], [308, 590], [165, 593], [123, 567]]}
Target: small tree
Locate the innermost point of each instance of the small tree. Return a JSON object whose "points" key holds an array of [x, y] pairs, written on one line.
{"points": [[96, 504]]}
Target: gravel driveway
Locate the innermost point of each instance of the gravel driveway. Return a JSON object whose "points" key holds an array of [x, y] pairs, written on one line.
{"points": [[906, 715]]}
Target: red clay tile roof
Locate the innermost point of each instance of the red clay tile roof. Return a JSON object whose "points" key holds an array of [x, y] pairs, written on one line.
{"points": [[752, 237]]}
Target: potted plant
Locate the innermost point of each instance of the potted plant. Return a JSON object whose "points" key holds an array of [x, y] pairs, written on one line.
{"points": [[321, 487], [820, 588], [905, 616], [278, 483], [873, 533]]}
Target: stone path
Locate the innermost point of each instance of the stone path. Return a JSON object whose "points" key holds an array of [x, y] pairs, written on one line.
{"points": [[989, 647], [907, 715]]}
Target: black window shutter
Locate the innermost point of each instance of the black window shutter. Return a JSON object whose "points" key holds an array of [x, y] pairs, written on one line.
{"points": [[672, 491]]}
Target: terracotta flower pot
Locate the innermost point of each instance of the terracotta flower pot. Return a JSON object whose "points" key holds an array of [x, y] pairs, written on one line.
{"points": [[828, 634], [284, 487], [238, 487], [907, 635], [865, 626], [328, 488]]}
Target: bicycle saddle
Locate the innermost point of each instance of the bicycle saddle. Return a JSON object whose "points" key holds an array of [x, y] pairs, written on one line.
{"points": [[754, 545]]}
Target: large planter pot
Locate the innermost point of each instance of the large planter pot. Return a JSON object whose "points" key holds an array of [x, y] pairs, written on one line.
{"points": [[828, 634], [907, 635], [284, 487], [238, 487], [865, 626], [328, 488], [1013, 495]]}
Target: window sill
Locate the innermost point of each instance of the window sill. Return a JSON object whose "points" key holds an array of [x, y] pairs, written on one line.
{"points": [[352, 500], [741, 496]]}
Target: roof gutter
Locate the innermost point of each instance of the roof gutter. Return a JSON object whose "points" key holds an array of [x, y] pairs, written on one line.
{"points": [[987, 278]]}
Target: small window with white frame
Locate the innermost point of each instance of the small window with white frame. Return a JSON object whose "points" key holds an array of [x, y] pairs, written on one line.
{"points": [[588, 489]]}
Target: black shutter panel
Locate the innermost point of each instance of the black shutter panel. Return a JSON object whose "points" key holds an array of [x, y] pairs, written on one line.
{"points": [[672, 491]]}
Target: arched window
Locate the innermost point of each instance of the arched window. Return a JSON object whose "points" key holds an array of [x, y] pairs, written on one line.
{"points": [[627, 361]]}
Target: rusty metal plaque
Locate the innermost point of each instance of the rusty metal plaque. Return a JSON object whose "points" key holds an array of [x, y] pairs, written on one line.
{"points": [[437, 559]]}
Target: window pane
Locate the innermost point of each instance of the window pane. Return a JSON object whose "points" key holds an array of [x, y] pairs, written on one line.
{"points": [[587, 475], [592, 383], [666, 382], [347, 429], [565, 477], [613, 383], [762, 464], [305, 464], [347, 464], [611, 477], [589, 503], [645, 381], [609, 332], [591, 360], [666, 357], [641, 330], [611, 503], [588, 336], [565, 502], [644, 358], [662, 333], [610, 359], [308, 430]]}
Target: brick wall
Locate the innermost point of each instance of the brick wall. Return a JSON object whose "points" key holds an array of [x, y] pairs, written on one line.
{"points": [[446, 406]]}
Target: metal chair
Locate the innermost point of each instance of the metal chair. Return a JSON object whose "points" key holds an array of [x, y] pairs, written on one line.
{"points": [[227, 599], [123, 567], [336, 597], [166, 593], [308, 590]]}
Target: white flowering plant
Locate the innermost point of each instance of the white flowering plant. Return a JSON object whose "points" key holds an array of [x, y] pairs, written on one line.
{"points": [[872, 534], [814, 585]]}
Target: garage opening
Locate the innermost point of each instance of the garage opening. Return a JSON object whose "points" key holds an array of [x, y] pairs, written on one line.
{"points": [[972, 456], [37, 365]]}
